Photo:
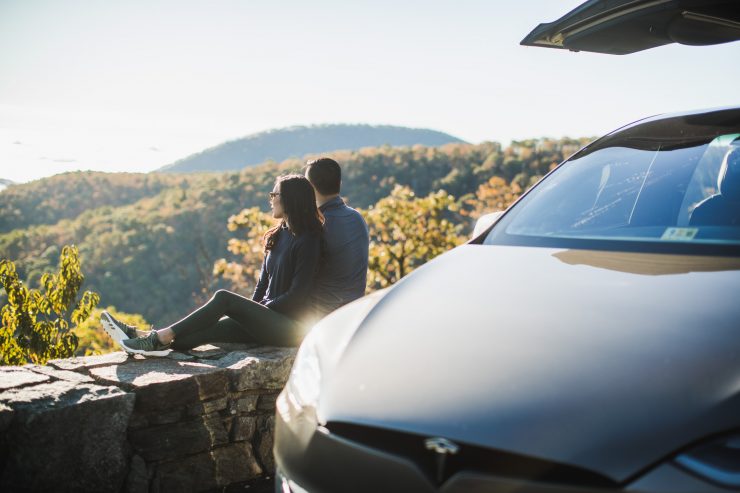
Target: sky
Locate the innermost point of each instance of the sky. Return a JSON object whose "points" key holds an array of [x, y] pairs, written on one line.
{"points": [[134, 85]]}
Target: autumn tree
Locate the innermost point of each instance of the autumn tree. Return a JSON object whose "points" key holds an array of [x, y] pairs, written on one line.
{"points": [[407, 231], [491, 196], [37, 325], [243, 274]]}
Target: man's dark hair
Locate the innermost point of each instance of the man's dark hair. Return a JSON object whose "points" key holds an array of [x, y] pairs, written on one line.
{"points": [[325, 175]]}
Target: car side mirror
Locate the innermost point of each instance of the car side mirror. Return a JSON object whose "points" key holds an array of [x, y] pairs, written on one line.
{"points": [[485, 221]]}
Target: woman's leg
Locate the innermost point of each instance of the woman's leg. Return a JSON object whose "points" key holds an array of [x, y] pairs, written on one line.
{"points": [[257, 323], [225, 330]]}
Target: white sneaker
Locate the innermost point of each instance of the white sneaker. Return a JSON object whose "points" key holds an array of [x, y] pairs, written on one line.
{"points": [[117, 330], [148, 345]]}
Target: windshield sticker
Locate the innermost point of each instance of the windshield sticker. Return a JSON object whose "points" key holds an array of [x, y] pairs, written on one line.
{"points": [[679, 234]]}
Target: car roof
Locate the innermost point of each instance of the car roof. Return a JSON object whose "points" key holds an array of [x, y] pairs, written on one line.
{"points": [[670, 129], [620, 27]]}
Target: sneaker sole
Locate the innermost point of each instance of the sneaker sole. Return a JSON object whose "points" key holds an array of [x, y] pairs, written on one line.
{"points": [[164, 352], [112, 330]]}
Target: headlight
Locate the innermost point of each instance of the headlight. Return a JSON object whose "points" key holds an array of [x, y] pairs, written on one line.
{"points": [[305, 377], [717, 461], [321, 349]]}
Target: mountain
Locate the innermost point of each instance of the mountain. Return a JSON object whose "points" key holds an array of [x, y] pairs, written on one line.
{"points": [[280, 144], [4, 183]]}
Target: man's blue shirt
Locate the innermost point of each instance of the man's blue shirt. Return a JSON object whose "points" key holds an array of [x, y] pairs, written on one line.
{"points": [[342, 272]]}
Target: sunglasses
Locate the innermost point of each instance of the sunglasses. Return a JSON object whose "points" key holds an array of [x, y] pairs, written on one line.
{"points": [[273, 194]]}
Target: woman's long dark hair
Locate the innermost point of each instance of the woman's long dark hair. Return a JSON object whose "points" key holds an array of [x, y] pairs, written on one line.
{"points": [[300, 213]]}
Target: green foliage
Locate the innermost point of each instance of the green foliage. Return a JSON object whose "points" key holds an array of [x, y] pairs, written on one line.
{"points": [[491, 196], [68, 195], [36, 325], [152, 250], [244, 273], [406, 232], [93, 340]]}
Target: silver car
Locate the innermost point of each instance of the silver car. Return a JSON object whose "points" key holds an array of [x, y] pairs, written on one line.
{"points": [[586, 340]]}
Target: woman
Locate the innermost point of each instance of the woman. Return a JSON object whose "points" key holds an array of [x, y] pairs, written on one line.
{"points": [[279, 304]]}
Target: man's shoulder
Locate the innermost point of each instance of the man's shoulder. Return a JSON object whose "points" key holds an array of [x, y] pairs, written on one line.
{"points": [[343, 210]]}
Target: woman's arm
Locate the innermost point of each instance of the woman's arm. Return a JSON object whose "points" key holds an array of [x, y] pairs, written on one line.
{"points": [[306, 257], [261, 288]]}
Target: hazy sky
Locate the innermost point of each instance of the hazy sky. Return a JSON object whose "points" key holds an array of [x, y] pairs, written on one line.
{"points": [[133, 85]]}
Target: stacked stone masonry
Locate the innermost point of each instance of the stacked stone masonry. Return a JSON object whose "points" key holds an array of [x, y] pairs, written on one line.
{"points": [[200, 420]]}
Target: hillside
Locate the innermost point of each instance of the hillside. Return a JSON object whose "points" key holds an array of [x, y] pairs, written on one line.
{"points": [[67, 195], [4, 183], [154, 255], [280, 144]]}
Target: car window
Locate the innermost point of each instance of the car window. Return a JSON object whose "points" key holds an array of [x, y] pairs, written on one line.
{"points": [[703, 183], [635, 196]]}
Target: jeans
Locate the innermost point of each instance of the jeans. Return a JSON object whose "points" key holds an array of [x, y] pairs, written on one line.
{"points": [[229, 317]]}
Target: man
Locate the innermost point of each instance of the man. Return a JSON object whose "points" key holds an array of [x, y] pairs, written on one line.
{"points": [[343, 270]]}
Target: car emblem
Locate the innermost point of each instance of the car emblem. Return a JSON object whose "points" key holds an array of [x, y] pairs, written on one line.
{"points": [[442, 447]]}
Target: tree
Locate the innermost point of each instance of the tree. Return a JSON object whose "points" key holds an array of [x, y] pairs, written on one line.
{"points": [[491, 196], [243, 275], [36, 325], [406, 232]]}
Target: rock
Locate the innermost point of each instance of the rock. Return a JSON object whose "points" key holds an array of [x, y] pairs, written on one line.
{"points": [[261, 368], [235, 463], [137, 420], [245, 404], [165, 417], [18, 376], [179, 439], [178, 356], [85, 363], [221, 467], [208, 407], [267, 402], [264, 484], [188, 419], [265, 439], [230, 347], [151, 471], [137, 480], [59, 374], [227, 422], [66, 433], [162, 383], [243, 428], [6, 416], [207, 351]]}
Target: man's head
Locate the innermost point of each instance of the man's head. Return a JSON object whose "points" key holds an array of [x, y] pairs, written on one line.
{"points": [[325, 175]]}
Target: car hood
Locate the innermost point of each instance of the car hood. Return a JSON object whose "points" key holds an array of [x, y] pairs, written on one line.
{"points": [[601, 360]]}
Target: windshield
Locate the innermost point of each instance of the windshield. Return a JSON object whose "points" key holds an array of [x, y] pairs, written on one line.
{"points": [[677, 193]]}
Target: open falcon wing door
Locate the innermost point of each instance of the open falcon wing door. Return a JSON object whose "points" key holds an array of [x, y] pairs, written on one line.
{"points": [[619, 27]]}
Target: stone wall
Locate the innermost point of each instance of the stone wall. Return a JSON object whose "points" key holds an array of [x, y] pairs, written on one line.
{"points": [[191, 421]]}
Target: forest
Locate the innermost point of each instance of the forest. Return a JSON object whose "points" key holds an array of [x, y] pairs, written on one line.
{"points": [[155, 245]]}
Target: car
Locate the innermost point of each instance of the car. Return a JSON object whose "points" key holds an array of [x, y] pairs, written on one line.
{"points": [[585, 339]]}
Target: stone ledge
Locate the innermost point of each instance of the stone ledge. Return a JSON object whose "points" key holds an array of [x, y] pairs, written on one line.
{"points": [[198, 420]]}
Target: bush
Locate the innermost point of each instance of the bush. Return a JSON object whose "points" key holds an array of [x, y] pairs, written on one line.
{"points": [[36, 325]]}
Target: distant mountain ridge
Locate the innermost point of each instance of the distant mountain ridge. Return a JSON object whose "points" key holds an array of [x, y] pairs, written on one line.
{"points": [[4, 183], [298, 141]]}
